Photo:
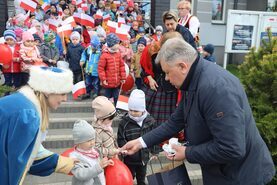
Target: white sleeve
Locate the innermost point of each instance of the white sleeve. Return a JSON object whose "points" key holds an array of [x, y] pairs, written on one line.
{"points": [[142, 143], [194, 24]]}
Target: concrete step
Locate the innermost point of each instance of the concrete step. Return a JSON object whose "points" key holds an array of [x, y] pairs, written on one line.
{"points": [[74, 107], [66, 120], [62, 138], [61, 179]]}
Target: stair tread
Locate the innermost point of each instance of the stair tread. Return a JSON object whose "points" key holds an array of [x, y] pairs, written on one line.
{"points": [[64, 134]]}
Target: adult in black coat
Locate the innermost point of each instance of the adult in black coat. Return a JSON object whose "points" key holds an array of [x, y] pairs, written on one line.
{"points": [[170, 21], [214, 111]]}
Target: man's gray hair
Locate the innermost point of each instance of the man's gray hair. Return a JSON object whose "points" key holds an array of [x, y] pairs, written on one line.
{"points": [[176, 49]]}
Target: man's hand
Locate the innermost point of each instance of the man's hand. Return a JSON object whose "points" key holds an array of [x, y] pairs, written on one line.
{"points": [[179, 155], [131, 147]]}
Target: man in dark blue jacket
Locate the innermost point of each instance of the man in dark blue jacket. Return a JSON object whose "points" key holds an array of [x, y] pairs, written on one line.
{"points": [[214, 111]]}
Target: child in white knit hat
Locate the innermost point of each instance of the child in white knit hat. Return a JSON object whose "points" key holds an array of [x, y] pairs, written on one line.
{"points": [[73, 56], [90, 168], [133, 125], [104, 112]]}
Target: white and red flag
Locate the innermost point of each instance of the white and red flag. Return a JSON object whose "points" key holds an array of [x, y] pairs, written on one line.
{"points": [[70, 20], [98, 15], [77, 17], [60, 11], [65, 30], [32, 30], [79, 3], [27, 18], [45, 6], [28, 5], [106, 17], [121, 20], [84, 7], [112, 26], [117, 3], [125, 26], [79, 89], [122, 102], [122, 33], [87, 20], [53, 24]]}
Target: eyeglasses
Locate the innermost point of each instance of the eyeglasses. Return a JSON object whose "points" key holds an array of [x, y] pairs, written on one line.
{"points": [[181, 8]]}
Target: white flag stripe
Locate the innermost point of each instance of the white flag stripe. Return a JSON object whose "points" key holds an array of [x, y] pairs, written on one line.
{"points": [[77, 86], [68, 20], [64, 28]]}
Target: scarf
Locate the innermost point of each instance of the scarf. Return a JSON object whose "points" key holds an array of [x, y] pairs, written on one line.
{"points": [[92, 153], [139, 119]]}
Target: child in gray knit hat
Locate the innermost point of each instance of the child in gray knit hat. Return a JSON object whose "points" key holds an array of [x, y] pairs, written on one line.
{"points": [[89, 171]]}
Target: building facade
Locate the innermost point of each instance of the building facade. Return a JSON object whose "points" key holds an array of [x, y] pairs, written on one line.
{"points": [[213, 25]]}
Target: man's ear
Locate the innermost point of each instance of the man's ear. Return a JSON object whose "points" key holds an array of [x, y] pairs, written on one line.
{"points": [[183, 66]]}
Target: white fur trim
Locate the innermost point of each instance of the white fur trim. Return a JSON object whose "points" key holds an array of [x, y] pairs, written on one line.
{"points": [[51, 80]]}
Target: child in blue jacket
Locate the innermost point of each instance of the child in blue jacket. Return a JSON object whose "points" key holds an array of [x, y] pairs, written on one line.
{"points": [[89, 60]]}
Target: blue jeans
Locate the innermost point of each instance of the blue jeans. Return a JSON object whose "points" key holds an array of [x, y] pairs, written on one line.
{"points": [[112, 93], [92, 83]]}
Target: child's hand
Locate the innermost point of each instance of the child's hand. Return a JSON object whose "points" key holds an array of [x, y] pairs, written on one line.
{"points": [[106, 162], [105, 82]]}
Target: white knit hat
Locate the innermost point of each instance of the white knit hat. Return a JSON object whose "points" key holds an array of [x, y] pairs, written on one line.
{"points": [[137, 101], [82, 132], [50, 80], [75, 34]]}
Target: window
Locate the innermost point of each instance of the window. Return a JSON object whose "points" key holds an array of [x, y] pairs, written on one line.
{"points": [[218, 11]]}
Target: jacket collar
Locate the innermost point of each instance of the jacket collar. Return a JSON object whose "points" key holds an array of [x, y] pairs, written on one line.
{"points": [[190, 83]]}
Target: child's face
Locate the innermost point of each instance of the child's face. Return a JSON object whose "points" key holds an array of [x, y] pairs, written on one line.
{"points": [[205, 53], [115, 48], [88, 145], [159, 32], [107, 122], [75, 41], [29, 43], [140, 48], [102, 39], [66, 11], [135, 113], [10, 42]]}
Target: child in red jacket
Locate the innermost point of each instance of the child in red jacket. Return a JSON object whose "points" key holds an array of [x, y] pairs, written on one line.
{"points": [[111, 68], [12, 70]]}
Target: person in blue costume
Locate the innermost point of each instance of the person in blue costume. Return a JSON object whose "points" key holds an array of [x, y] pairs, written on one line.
{"points": [[24, 119]]}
